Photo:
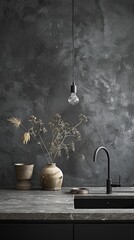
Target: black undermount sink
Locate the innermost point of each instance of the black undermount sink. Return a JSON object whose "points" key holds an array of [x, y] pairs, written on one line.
{"points": [[102, 202]]}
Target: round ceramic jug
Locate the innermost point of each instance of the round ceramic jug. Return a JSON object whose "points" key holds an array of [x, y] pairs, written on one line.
{"points": [[51, 177]]}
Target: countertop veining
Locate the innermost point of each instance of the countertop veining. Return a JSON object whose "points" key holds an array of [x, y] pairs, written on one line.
{"points": [[58, 205]]}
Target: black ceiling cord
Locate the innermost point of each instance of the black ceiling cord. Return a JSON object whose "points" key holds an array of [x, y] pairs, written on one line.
{"points": [[73, 99], [73, 46]]}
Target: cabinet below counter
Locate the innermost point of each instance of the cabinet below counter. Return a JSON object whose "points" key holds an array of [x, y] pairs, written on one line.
{"points": [[58, 206], [68, 231]]}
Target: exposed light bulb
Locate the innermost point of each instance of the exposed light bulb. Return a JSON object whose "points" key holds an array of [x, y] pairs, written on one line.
{"points": [[73, 99]]}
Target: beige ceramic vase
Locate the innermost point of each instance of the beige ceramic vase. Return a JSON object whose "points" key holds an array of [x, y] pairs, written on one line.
{"points": [[51, 177], [23, 175]]}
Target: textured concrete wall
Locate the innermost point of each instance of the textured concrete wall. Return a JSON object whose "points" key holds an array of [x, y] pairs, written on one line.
{"points": [[35, 78]]}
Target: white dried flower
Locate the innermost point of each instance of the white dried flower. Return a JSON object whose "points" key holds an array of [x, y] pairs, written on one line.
{"points": [[26, 137], [15, 121], [82, 157]]}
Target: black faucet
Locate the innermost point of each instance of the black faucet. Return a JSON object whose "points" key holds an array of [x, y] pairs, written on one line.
{"points": [[109, 180]]}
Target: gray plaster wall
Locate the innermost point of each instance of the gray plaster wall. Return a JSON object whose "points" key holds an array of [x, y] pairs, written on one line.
{"points": [[35, 79]]}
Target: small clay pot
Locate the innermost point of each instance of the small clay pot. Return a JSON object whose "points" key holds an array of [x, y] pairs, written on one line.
{"points": [[23, 175], [51, 177]]}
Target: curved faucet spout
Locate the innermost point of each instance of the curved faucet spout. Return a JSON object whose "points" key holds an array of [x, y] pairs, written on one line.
{"points": [[108, 157], [109, 181]]}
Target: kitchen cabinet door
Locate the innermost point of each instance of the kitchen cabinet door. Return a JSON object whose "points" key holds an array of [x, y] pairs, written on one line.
{"points": [[104, 231], [34, 231]]}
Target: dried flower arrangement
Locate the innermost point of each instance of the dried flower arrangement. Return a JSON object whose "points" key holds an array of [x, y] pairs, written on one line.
{"points": [[60, 132]]}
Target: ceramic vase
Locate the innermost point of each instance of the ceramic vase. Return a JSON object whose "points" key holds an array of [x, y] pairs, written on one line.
{"points": [[51, 177], [23, 175]]}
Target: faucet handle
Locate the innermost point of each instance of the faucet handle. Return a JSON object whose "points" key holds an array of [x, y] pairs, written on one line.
{"points": [[117, 184]]}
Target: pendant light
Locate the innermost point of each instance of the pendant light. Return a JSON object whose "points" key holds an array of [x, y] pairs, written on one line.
{"points": [[73, 99]]}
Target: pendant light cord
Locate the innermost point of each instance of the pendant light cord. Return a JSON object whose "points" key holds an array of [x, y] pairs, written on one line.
{"points": [[73, 46]]}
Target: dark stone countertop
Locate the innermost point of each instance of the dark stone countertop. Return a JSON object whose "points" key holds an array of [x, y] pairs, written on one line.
{"points": [[58, 205]]}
